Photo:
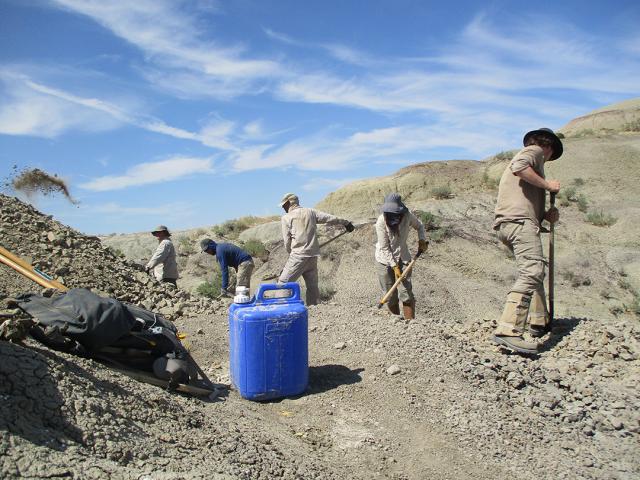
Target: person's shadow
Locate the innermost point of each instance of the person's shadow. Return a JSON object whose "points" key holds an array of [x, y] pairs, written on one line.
{"points": [[560, 328], [328, 377]]}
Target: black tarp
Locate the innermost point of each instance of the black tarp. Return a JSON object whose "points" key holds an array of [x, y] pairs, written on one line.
{"points": [[93, 321]]}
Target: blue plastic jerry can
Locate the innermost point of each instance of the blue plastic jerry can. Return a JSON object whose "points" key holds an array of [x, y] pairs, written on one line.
{"points": [[268, 343]]}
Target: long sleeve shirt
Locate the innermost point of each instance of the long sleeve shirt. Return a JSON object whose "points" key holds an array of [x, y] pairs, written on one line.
{"points": [[299, 230], [228, 255], [391, 247], [163, 261]]}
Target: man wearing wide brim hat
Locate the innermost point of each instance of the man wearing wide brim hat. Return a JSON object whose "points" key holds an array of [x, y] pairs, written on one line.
{"points": [[299, 232], [519, 213], [163, 262], [393, 255]]}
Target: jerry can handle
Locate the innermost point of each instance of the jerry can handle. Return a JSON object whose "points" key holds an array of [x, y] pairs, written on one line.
{"points": [[294, 287]]}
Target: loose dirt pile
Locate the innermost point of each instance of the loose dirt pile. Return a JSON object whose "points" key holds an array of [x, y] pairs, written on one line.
{"points": [[34, 181], [81, 261]]}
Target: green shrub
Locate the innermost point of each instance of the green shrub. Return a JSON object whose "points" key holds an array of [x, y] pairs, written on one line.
{"points": [[186, 246], [210, 289], [560, 135], [442, 192], [505, 155], [578, 182], [255, 248], [489, 181], [569, 193], [601, 219], [585, 132], [232, 228], [441, 234], [428, 219], [633, 126], [583, 204]]}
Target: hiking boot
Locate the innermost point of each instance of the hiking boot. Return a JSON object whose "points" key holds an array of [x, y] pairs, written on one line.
{"points": [[517, 344], [394, 308], [538, 331]]}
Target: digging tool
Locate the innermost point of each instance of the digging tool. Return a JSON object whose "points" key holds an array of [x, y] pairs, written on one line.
{"points": [[551, 261], [332, 239], [393, 288], [27, 270]]}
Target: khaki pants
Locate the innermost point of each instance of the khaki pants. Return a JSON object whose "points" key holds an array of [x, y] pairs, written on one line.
{"points": [[243, 275], [527, 295], [307, 268], [386, 279]]}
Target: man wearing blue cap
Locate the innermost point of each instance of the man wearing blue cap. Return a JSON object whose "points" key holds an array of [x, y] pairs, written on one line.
{"points": [[228, 255], [519, 213]]}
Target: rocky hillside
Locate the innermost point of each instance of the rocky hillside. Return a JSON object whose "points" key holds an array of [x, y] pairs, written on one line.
{"points": [[81, 261]]}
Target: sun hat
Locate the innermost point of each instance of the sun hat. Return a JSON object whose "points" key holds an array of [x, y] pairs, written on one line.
{"points": [[207, 243], [393, 204], [161, 228], [556, 142], [289, 197]]}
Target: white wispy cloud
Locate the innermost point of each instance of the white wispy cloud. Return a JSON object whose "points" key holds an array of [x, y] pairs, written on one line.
{"points": [[414, 143], [33, 108], [489, 66], [26, 110], [151, 172], [179, 52]]}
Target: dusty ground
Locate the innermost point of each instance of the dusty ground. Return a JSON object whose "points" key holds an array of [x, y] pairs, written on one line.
{"points": [[458, 408], [452, 407]]}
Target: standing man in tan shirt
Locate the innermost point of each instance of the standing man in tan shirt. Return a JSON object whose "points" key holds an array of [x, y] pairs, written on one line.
{"points": [[301, 242], [519, 213]]}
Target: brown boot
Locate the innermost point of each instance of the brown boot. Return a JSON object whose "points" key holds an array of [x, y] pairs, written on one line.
{"points": [[408, 309], [394, 308], [517, 344]]}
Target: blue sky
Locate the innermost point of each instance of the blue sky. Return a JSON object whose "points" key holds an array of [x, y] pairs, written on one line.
{"points": [[189, 113]]}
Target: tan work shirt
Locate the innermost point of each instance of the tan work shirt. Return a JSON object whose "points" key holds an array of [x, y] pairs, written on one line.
{"points": [[391, 247], [299, 230], [163, 261], [518, 199]]}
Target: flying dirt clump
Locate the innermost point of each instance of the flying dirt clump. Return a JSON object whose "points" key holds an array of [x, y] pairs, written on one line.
{"points": [[33, 180]]}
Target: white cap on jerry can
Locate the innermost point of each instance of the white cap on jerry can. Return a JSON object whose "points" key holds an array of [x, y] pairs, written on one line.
{"points": [[242, 295]]}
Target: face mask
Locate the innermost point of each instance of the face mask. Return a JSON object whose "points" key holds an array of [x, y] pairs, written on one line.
{"points": [[393, 219]]}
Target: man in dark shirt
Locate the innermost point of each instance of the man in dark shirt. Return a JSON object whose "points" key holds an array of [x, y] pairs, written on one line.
{"points": [[228, 255]]}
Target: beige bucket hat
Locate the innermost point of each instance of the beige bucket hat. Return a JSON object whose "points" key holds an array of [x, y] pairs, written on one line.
{"points": [[289, 197]]}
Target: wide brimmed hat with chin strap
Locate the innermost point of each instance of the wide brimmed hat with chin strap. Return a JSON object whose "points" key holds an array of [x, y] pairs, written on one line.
{"points": [[393, 204], [547, 132], [161, 228]]}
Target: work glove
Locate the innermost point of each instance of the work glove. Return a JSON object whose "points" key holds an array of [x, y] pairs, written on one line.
{"points": [[422, 246], [397, 272], [225, 293], [349, 226]]}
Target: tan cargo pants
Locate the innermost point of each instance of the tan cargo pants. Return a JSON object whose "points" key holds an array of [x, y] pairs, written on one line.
{"points": [[386, 279], [243, 275], [523, 239], [307, 268]]}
